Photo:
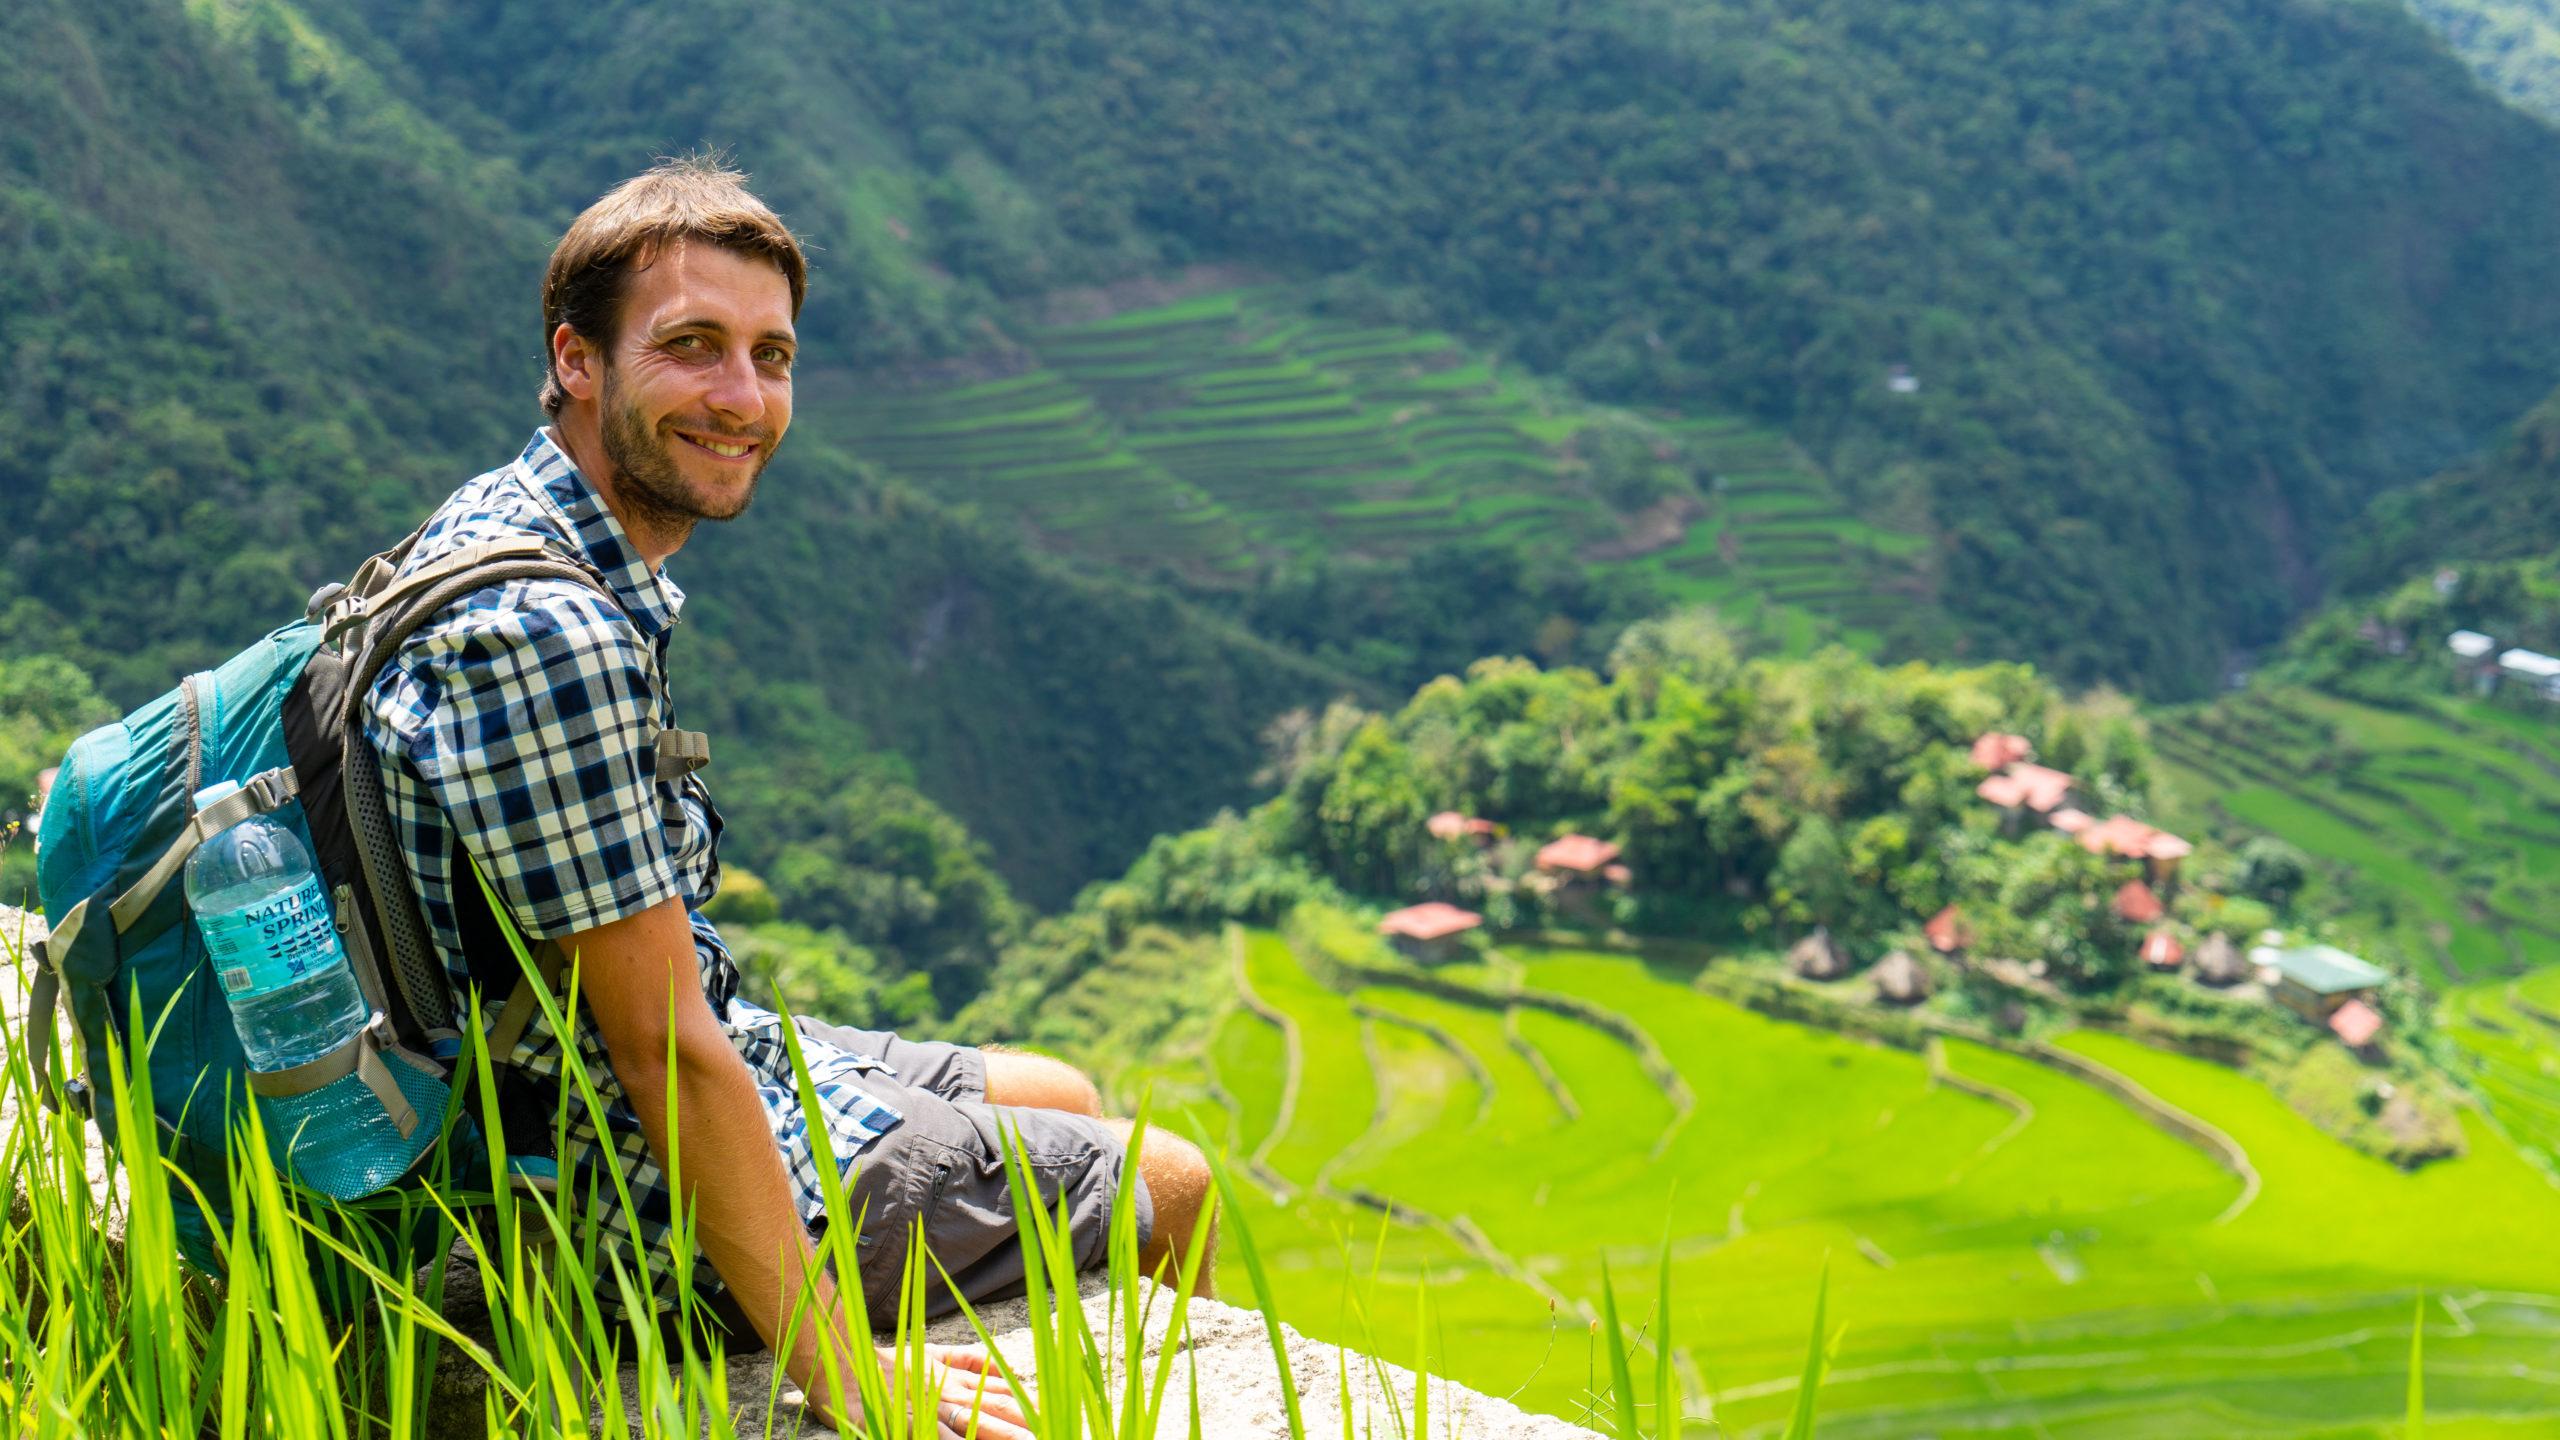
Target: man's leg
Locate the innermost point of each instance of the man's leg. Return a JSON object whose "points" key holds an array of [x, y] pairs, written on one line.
{"points": [[1038, 1082], [1178, 1180], [991, 1073]]}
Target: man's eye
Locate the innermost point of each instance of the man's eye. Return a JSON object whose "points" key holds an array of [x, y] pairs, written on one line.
{"points": [[685, 342], [774, 355]]}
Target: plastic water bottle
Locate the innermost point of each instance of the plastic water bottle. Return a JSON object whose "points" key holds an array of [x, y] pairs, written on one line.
{"points": [[264, 914]]}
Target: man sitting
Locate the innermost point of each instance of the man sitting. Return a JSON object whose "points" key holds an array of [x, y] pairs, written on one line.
{"points": [[521, 723]]}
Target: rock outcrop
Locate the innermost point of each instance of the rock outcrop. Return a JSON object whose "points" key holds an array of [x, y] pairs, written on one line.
{"points": [[1239, 1384]]}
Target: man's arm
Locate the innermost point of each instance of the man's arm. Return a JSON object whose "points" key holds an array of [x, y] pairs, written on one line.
{"points": [[638, 979]]}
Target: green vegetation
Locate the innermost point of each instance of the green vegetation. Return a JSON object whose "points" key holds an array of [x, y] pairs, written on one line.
{"points": [[2013, 1247], [241, 372], [1214, 436], [2157, 377], [2430, 826]]}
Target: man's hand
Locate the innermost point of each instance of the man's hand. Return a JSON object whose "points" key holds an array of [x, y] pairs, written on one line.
{"points": [[641, 985], [971, 1399]]}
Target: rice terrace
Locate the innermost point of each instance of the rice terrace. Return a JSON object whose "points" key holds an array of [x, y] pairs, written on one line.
{"points": [[2012, 1249]]}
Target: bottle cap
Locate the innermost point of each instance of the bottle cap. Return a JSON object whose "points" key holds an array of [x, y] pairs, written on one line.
{"points": [[212, 794]]}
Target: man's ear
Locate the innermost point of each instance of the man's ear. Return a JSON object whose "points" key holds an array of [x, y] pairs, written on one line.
{"points": [[577, 363]]}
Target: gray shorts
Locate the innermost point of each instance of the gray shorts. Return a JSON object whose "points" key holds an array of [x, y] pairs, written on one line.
{"points": [[944, 1165]]}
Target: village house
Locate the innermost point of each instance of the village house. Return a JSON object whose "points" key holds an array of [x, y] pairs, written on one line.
{"points": [[2123, 837], [2474, 659], [1996, 751], [1430, 932], [1450, 825], [2219, 962], [2321, 983], [2536, 671], [1819, 957], [1899, 980], [2161, 950], [1580, 870], [2025, 790], [1947, 932], [2135, 904]]}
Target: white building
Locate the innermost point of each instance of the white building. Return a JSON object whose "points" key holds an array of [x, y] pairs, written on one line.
{"points": [[2534, 668], [2469, 644]]}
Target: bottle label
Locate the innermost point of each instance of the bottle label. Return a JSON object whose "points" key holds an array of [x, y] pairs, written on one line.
{"points": [[273, 943]]}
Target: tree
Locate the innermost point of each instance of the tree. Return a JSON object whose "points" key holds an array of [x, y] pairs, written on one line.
{"points": [[2272, 870]]}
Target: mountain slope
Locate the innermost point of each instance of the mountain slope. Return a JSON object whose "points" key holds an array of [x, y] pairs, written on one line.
{"points": [[258, 316], [2184, 284]]}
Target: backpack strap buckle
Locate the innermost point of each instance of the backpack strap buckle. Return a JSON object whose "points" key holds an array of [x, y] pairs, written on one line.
{"points": [[681, 752], [44, 1000]]}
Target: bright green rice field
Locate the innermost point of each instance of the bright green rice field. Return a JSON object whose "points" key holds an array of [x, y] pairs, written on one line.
{"points": [[2042, 1263]]}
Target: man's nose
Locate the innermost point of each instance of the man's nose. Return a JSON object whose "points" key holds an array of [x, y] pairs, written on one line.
{"points": [[737, 392]]}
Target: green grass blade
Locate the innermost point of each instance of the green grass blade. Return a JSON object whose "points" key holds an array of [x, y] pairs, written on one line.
{"points": [[1817, 1359], [1622, 1382], [1263, 1298], [2417, 1368]]}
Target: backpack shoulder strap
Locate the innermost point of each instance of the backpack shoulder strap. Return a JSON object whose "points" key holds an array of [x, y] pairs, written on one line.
{"points": [[375, 624]]}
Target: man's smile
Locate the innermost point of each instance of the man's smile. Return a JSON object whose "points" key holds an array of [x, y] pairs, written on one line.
{"points": [[729, 450]]}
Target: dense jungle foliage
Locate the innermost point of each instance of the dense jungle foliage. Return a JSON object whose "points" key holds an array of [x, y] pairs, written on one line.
{"points": [[2494, 506], [2157, 371]]}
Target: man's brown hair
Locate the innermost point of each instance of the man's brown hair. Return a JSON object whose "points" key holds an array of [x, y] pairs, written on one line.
{"points": [[690, 197]]}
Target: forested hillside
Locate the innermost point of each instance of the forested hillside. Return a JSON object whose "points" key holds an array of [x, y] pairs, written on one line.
{"points": [[2502, 504], [259, 314], [2182, 284]]}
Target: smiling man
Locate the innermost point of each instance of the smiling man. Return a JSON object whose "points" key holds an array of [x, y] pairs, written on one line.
{"points": [[518, 732]]}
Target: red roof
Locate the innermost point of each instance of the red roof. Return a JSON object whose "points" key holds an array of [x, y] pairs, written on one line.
{"points": [[1578, 853], [1947, 932], [2137, 905], [2044, 790], [1617, 875], [2071, 820], [1997, 751], [2126, 836], [2162, 949], [1450, 825], [2001, 790], [2356, 1023], [1431, 920]]}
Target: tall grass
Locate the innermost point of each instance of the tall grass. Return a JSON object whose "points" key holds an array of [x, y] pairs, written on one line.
{"points": [[319, 1328]]}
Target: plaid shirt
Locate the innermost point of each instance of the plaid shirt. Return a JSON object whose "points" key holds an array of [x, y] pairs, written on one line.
{"points": [[526, 716]]}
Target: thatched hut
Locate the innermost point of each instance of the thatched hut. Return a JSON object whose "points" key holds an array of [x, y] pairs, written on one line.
{"points": [[2219, 962], [1819, 957], [1900, 980]]}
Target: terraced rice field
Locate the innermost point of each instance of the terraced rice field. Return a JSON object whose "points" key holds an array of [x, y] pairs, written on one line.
{"points": [[2014, 1251], [2441, 824], [1213, 436]]}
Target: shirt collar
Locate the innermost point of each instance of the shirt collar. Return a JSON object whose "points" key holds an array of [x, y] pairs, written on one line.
{"points": [[650, 598]]}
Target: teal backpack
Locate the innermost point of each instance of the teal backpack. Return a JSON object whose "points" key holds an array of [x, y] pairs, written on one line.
{"points": [[282, 719]]}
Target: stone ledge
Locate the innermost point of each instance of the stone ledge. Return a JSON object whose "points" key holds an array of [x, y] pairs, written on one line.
{"points": [[1239, 1386]]}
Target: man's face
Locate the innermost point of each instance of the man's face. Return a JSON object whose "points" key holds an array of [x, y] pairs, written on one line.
{"points": [[697, 391]]}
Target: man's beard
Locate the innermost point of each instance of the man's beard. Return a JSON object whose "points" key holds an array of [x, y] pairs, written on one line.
{"points": [[646, 478]]}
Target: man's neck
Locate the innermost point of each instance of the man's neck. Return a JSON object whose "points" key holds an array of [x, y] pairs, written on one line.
{"points": [[656, 535]]}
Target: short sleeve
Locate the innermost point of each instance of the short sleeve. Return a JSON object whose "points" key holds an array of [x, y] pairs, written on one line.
{"points": [[533, 728]]}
